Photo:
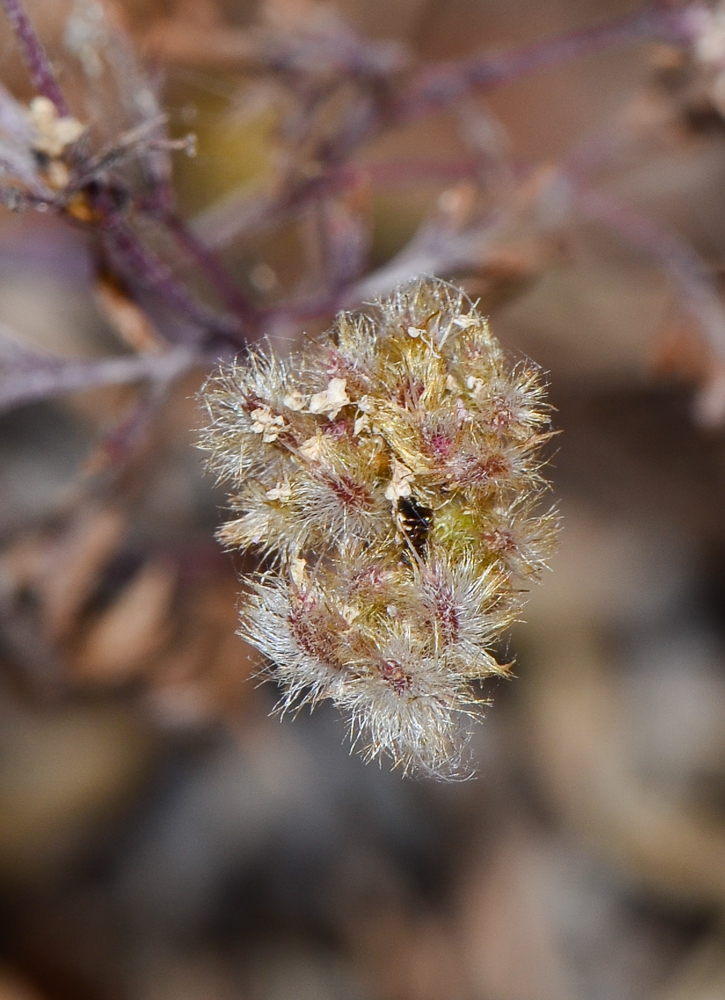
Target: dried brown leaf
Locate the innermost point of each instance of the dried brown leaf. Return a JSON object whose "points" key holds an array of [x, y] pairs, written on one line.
{"points": [[205, 673], [131, 631], [72, 565], [130, 323], [61, 568]]}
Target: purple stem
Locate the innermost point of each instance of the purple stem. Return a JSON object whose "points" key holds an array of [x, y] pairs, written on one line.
{"points": [[35, 56], [441, 85], [210, 265], [147, 269], [119, 443], [27, 377]]}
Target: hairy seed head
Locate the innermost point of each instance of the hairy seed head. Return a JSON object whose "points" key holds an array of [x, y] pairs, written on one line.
{"points": [[392, 471]]}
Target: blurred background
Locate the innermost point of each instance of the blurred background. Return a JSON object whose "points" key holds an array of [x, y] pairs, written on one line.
{"points": [[161, 834]]}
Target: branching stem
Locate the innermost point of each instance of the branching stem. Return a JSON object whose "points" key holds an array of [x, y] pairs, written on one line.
{"points": [[440, 85]]}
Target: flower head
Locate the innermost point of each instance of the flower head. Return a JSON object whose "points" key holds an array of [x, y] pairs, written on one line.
{"points": [[391, 474]]}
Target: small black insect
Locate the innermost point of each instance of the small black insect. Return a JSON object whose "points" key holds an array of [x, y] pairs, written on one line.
{"points": [[415, 520]]}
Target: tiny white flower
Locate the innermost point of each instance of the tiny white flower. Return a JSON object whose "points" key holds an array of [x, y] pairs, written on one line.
{"points": [[331, 400], [52, 132], [267, 423], [295, 400], [311, 449], [465, 322], [349, 613], [416, 331], [282, 491], [400, 484], [361, 424], [298, 572]]}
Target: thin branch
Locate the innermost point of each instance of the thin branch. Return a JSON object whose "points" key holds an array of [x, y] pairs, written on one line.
{"points": [[322, 53], [35, 56], [439, 86], [122, 440], [437, 248], [239, 212], [688, 272], [209, 263], [132, 145], [27, 376], [145, 267]]}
